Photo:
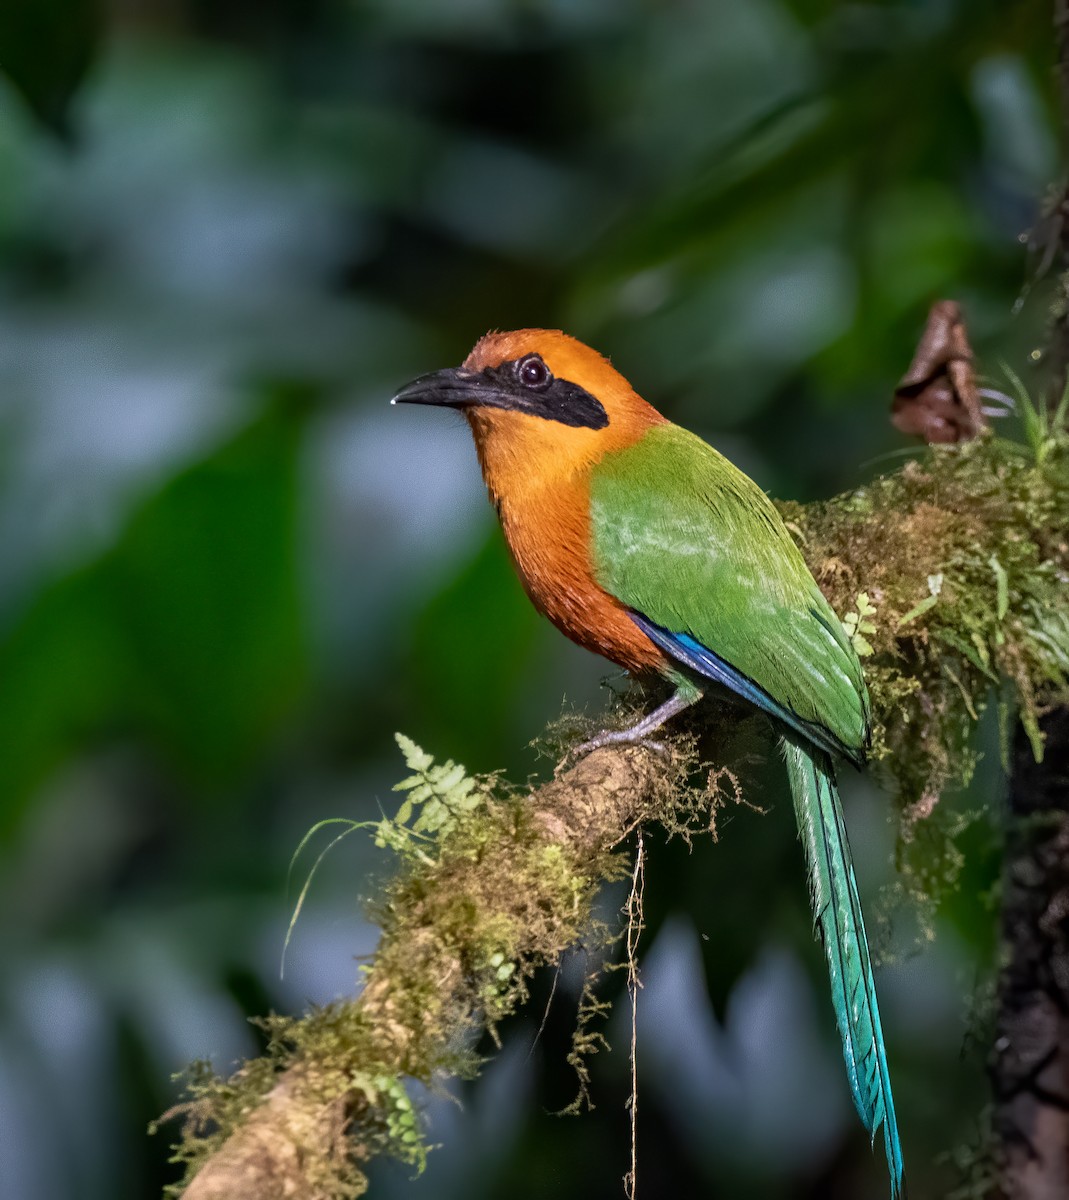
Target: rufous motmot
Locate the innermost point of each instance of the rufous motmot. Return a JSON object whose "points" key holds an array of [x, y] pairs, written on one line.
{"points": [[641, 542]]}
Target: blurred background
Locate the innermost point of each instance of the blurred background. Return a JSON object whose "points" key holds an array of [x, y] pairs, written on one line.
{"points": [[228, 231]]}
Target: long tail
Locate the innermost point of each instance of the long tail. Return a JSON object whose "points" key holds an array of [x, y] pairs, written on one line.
{"points": [[837, 914]]}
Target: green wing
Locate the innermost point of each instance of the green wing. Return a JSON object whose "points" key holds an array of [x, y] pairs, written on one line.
{"points": [[684, 538]]}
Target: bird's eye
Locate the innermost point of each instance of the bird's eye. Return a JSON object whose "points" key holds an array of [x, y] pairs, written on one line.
{"points": [[533, 372]]}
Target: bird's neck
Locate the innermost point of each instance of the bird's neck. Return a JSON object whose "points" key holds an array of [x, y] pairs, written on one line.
{"points": [[541, 490], [524, 458]]}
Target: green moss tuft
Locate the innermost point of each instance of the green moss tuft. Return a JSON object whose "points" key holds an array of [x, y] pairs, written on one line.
{"points": [[962, 561], [958, 565]]}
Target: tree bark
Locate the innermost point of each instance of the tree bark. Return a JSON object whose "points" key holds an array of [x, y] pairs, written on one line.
{"points": [[1058, 218], [1031, 1060], [1030, 1063]]}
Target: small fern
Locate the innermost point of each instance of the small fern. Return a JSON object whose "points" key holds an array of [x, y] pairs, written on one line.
{"points": [[857, 624], [389, 1098], [439, 796]]}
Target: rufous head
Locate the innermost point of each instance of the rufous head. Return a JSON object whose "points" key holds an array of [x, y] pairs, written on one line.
{"points": [[539, 400]]}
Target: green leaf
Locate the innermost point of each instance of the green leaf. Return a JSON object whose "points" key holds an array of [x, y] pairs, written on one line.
{"points": [[1061, 413], [918, 610], [451, 776], [1030, 723], [981, 649], [442, 793], [968, 651], [415, 758], [187, 634], [350, 827]]}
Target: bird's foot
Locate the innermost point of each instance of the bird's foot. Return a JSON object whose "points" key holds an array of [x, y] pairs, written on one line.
{"points": [[683, 698], [618, 737]]}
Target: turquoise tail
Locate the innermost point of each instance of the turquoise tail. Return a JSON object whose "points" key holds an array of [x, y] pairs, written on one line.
{"points": [[837, 914]]}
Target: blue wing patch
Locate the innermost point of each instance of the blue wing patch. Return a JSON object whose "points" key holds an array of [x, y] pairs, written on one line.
{"points": [[702, 661]]}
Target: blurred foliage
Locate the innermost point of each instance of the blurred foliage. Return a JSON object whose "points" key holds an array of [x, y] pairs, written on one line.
{"points": [[45, 51], [227, 232], [186, 635]]}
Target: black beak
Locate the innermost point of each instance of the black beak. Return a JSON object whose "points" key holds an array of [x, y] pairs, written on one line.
{"points": [[497, 387], [454, 387]]}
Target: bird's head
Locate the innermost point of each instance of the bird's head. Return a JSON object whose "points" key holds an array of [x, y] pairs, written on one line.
{"points": [[537, 401]]}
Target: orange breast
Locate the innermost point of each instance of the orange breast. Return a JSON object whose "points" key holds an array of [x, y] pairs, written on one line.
{"points": [[537, 472], [548, 535]]}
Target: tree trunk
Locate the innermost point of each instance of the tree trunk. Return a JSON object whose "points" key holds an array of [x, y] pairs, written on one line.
{"points": [[1030, 1064], [1031, 1060]]}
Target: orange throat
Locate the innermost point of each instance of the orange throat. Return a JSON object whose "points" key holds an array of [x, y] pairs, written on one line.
{"points": [[538, 475]]}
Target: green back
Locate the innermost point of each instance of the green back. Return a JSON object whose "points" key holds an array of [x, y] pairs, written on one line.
{"points": [[682, 536]]}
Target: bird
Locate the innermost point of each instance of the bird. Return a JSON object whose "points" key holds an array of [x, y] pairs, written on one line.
{"points": [[643, 543]]}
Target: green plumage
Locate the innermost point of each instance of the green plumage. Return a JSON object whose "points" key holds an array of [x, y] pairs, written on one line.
{"points": [[698, 552], [837, 911], [683, 536]]}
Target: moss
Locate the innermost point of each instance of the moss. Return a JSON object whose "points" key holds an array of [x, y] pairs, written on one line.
{"points": [[964, 557], [481, 899], [960, 562]]}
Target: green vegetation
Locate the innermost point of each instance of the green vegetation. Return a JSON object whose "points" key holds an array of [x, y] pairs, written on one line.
{"points": [[956, 567]]}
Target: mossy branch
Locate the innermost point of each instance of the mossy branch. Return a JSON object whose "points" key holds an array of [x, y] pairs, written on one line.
{"points": [[501, 888], [951, 575], [955, 569]]}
